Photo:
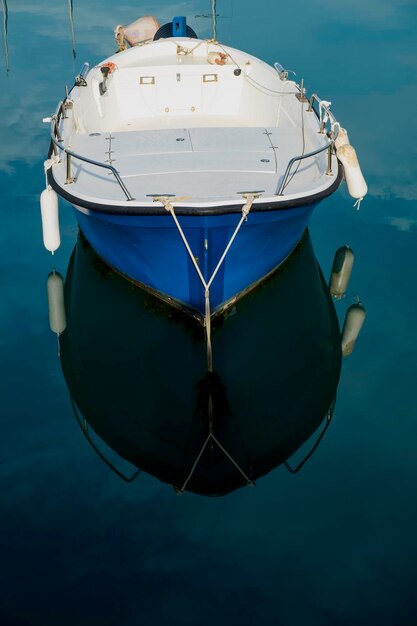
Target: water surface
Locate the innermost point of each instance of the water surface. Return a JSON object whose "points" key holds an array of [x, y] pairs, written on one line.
{"points": [[335, 544]]}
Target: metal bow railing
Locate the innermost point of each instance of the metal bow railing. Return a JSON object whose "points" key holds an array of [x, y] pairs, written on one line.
{"points": [[335, 126], [57, 143]]}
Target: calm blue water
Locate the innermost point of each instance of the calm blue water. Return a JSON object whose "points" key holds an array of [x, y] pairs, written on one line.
{"points": [[333, 545]]}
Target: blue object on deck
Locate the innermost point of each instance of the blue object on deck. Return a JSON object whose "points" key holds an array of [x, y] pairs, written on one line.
{"points": [[179, 26], [169, 30]]}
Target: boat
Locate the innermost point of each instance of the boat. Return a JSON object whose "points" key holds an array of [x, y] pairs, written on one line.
{"points": [[144, 400], [193, 167]]}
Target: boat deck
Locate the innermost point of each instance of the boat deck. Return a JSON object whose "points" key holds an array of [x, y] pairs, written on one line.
{"points": [[196, 165]]}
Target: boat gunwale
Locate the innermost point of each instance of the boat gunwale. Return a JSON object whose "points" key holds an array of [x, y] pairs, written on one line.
{"points": [[128, 208], [226, 207]]}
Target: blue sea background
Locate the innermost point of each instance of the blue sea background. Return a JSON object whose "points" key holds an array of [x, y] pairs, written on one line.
{"points": [[333, 545]]}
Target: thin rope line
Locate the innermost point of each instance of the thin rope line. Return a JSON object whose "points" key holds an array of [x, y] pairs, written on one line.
{"points": [[255, 82], [250, 482], [71, 16], [245, 210], [195, 463], [207, 317], [5, 38], [213, 276], [170, 208], [207, 326], [214, 18], [227, 455]]}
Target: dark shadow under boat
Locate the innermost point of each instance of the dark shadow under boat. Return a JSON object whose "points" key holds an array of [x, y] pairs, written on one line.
{"points": [[136, 371]]}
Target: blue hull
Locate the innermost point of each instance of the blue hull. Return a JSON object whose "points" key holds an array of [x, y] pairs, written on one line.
{"points": [[149, 250]]}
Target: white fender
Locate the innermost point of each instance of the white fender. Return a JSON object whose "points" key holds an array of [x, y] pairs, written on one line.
{"points": [[138, 31], [355, 317], [50, 219], [341, 271], [355, 181], [342, 138], [56, 303]]}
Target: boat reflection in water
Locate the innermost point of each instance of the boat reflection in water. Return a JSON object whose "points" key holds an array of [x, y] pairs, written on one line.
{"points": [[136, 372]]}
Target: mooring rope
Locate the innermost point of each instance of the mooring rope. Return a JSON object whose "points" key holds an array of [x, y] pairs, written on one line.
{"points": [[214, 18], [71, 16], [5, 37], [200, 454], [268, 91], [167, 203]]}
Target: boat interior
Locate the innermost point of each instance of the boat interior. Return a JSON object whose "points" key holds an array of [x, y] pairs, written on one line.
{"points": [[191, 119]]}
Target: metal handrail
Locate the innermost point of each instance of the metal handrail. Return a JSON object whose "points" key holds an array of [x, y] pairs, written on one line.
{"points": [[328, 146], [84, 429], [56, 139], [329, 415], [57, 142]]}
